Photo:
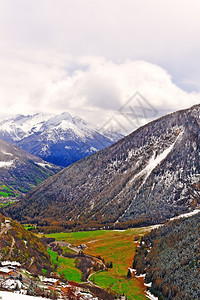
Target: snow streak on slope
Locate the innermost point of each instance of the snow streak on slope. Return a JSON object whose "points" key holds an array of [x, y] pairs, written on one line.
{"points": [[187, 215], [154, 161]]}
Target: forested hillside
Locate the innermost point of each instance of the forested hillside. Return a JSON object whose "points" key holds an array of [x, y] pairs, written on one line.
{"points": [[21, 171], [145, 178], [170, 257], [16, 243]]}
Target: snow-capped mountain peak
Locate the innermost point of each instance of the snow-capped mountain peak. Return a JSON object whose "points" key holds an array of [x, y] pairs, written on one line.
{"points": [[61, 139]]}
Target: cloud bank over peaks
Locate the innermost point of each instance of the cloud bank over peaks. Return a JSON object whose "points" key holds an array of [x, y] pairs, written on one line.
{"points": [[89, 86]]}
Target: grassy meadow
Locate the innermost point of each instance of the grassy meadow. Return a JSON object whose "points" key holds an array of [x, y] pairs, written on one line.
{"points": [[117, 247], [65, 266]]}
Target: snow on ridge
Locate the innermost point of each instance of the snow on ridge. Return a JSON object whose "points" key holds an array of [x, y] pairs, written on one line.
{"points": [[65, 125], [23, 126]]}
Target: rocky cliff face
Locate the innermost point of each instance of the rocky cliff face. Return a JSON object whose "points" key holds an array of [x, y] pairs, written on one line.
{"points": [[152, 174]]}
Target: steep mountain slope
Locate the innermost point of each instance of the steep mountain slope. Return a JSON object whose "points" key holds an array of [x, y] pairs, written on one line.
{"points": [[61, 139], [16, 243], [21, 171], [149, 176], [170, 257]]}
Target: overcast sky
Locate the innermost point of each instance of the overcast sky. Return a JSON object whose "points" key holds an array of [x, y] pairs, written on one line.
{"points": [[89, 57]]}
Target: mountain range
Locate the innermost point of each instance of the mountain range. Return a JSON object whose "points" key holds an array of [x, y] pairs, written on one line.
{"points": [[21, 171], [147, 177], [58, 139]]}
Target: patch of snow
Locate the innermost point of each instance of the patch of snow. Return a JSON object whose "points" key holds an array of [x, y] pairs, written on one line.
{"points": [[7, 153], [91, 205], [140, 276], [186, 215], [14, 296], [148, 284], [50, 280], [115, 164], [150, 296], [6, 164], [10, 263], [45, 149], [44, 165], [132, 270], [64, 125], [93, 149], [131, 153], [5, 270]]}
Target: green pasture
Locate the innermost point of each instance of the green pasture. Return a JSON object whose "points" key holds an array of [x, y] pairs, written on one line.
{"points": [[116, 246], [66, 266]]}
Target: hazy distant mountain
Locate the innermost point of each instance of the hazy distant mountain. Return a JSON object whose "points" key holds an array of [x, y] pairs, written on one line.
{"points": [[151, 175], [21, 171], [61, 139]]}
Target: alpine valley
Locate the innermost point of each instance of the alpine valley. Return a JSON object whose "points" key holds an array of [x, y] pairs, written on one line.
{"points": [[58, 139], [150, 177], [145, 178]]}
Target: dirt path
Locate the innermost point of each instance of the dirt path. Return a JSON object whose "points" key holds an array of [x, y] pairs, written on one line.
{"points": [[68, 245], [90, 282], [11, 247]]}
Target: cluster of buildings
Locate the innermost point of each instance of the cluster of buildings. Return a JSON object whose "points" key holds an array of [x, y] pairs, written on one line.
{"points": [[13, 280], [69, 289], [9, 279], [7, 267], [13, 285]]}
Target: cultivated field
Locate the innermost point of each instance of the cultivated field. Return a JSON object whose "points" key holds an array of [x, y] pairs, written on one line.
{"points": [[117, 247]]}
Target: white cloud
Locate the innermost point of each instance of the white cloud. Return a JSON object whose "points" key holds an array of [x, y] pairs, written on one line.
{"points": [[89, 57], [89, 86], [165, 33]]}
